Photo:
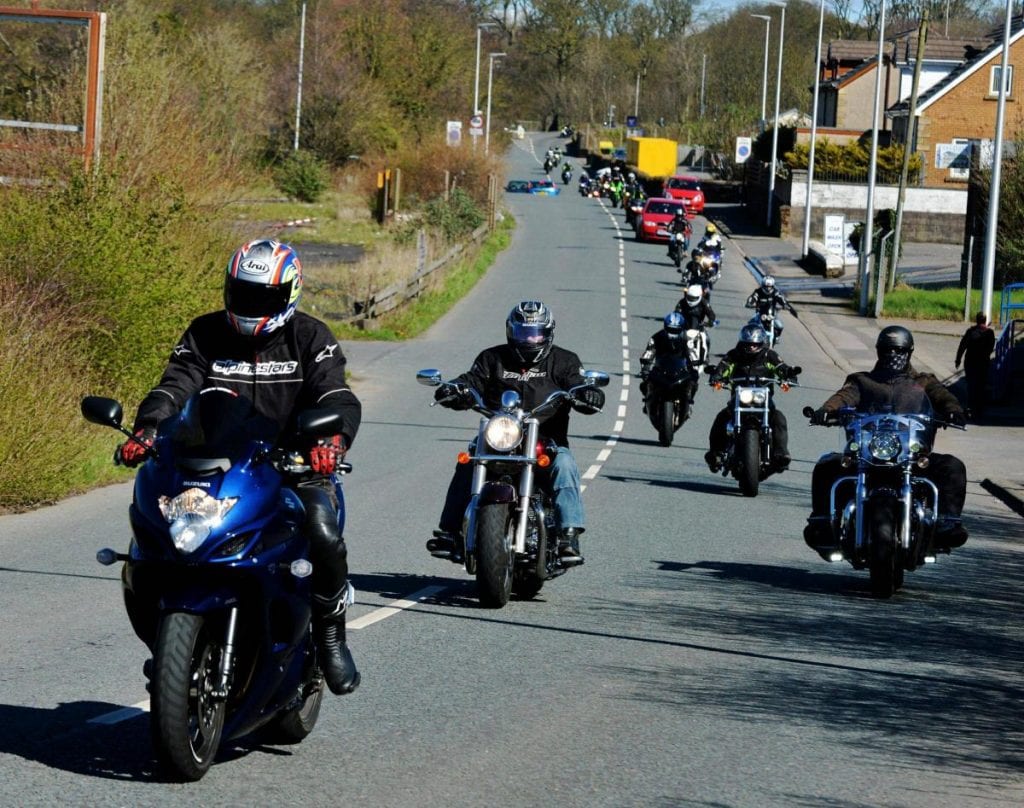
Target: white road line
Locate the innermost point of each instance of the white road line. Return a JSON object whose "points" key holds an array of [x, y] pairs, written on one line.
{"points": [[622, 313], [393, 608], [625, 326], [592, 472], [625, 341], [625, 353], [622, 412], [617, 429], [603, 455], [625, 395]]}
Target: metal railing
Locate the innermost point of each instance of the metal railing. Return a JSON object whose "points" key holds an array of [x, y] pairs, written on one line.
{"points": [[1006, 362]]}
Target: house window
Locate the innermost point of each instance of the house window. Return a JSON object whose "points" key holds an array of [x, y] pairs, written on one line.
{"points": [[993, 80]]}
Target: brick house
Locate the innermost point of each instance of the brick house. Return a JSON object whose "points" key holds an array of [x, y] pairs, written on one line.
{"points": [[959, 112]]}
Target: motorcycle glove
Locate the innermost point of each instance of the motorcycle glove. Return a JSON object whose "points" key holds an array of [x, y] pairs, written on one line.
{"points": [[132, 452], [820, 416], [454, 397], [328, 452], [957, 418], [589, 400], [793, 372]]}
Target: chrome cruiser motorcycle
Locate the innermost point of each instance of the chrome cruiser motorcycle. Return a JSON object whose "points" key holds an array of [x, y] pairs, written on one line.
{"points": [[749, 449], [509, 524], [216, 578], [883, 512]]}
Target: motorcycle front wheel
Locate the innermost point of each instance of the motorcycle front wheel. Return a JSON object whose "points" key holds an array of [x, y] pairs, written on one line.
{"points": [[883, 560], [495, 559], [666, 422], [748, 465], [186, 721]]}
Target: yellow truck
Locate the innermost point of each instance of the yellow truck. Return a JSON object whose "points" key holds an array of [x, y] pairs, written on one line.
{"points": [[652, 157]]}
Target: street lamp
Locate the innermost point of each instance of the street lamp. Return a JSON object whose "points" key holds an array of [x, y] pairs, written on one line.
{"points": [[476, 82], [867, 234], [989, 265], [814, 132], [775, 127], [490, 82], [764, 84]]}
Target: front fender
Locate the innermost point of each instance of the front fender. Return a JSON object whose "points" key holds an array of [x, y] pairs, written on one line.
{"points": [[495, 493]]}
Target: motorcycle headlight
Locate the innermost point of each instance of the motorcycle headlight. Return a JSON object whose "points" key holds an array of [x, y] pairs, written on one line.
{"points": [[915, 447], [503, 433], [760, 397], [192, 514], [747, 396], [884, 446]]}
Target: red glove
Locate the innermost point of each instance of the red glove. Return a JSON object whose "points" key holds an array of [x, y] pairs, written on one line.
{"points": [[131, 453], [328, 452]]}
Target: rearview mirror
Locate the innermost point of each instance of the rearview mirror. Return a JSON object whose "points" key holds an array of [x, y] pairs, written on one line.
{"points": [[102, 411], [430, 377], [596, 378]]}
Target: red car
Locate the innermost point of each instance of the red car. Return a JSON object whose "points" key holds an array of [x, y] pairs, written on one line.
{"points": [[654, 219], [687, 189]]}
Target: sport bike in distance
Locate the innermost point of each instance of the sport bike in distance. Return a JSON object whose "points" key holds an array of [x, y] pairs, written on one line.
{"points": [[508, 527], [216, 578], [670, 387], [883, 512], [749, 449]]}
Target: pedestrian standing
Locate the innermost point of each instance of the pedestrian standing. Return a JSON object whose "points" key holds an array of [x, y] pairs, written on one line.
{"points": [[975, 351]]}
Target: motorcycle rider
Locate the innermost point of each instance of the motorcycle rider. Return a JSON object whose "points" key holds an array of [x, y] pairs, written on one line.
{"points": [[679, 224], [767, 300], [694, 272], [695, 308], [711, 240], [670, 340], [750, 358], [893, 384], [566, 172], [530, 363], [286, 361]]}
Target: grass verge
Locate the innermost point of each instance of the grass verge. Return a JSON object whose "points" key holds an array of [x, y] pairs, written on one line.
{"points": [[905, 302], [415, 318]]}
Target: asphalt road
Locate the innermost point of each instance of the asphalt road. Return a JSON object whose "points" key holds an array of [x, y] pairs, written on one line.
{"points": [[703, 656]]}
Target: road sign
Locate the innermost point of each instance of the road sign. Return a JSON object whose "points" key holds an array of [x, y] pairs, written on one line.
{"points": [[743, 146], [835, 234], [477, 121], [631, 121], [454, 133]]}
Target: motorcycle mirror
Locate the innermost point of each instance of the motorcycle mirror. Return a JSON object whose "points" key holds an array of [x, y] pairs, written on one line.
{"points": [[510, 400], [597, 378], [431, 377], [102, 411]]}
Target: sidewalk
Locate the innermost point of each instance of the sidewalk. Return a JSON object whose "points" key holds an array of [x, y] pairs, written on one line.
{"points": [[988, 448]]}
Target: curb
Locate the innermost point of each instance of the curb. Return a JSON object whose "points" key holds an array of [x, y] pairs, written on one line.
{"points": [[1005, 492]]}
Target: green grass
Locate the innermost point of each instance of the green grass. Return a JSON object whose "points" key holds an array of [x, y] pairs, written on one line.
{"points": [[428, 308], [906, 302], [339, 217]]}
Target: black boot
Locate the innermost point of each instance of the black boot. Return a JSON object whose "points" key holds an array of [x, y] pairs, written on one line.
{"points": [[329, 631], [569, 547], [949, 534]]}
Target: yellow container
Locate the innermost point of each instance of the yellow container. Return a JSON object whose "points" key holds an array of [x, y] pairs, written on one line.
{"points": [[605, 147], [652, 156]]}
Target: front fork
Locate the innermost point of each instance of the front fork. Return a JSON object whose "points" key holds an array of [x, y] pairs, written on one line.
{"points": [[227, 659], [526, 484]]}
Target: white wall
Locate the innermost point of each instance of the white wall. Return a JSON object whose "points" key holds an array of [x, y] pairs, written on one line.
{"points": [[841, 195]]}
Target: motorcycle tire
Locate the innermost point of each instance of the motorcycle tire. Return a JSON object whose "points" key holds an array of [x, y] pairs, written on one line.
{"points": [[495, 558], [666, 422], [294, 725], [678, 258], [748, 462], [883, 560], [186, 722]]}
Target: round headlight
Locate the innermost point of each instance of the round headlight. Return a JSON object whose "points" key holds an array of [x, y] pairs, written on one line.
{"points": [[503, 433], [759, 397], [884, 446], [915, 447], [746, 396]]}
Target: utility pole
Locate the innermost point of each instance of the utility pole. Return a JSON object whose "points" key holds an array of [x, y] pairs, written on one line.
{"points": [[298, 93], [911, 137]]}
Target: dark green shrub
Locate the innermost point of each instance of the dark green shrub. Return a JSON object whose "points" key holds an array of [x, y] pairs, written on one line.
{"points": [[301, 175], [457, 216]]}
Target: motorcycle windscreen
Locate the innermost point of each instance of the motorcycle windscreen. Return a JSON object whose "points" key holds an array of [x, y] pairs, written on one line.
{"points": [[217, 423], [905, 397]]}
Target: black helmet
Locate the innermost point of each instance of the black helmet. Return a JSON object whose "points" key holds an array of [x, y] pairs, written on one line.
{"points": [[753, 340], [530, 330], [894, 346]]}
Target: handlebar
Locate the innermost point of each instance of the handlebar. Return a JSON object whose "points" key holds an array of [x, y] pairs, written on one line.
{"points": [[845, 415]]}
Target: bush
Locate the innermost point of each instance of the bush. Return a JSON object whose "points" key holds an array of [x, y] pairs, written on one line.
{"points": [[457, 216], [301, 175]]}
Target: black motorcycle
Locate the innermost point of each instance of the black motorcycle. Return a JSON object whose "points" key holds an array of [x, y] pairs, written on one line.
{"points": [[668, 397], [883, 512], [566, 175], [749, 449], [509, 522]]}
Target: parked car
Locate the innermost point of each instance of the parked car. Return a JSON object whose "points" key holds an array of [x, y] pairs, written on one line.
{"points": [[656, 216], [688, 190], [544, 187], [518, 186]]}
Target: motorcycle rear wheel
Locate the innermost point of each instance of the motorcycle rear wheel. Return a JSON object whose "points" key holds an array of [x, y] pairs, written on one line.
{"points": [[666, 422], [186, 721], [748, 463], [495, 559], [883, 560]]}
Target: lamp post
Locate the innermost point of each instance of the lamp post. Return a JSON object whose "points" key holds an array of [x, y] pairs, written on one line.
{"points": [[989, 266], [867, 234], [764, 84], [775, 126], [490, 83], [476, 81], [814, 132], [298, 91]]}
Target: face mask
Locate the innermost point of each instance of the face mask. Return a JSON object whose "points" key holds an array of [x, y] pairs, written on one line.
{"points": [[894, 361]]}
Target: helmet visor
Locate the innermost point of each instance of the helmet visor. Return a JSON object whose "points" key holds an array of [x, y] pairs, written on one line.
{"points": [[531, 334], [247, 299]]}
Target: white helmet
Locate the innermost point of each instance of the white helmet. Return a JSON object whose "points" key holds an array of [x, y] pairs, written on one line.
{"points": [[768, 282], [694, 294]]}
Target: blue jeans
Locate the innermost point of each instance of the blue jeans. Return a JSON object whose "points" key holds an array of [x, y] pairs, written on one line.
{"points": [[562, 479]]}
